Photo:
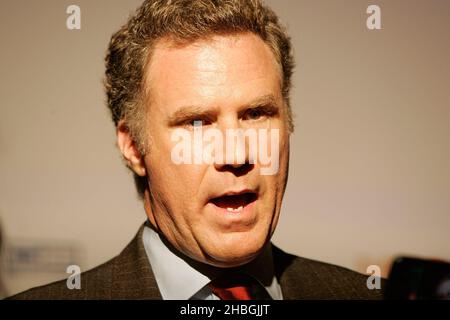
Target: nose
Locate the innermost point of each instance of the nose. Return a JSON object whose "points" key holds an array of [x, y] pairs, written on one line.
{"points": [[236, 150], [238, 169]]}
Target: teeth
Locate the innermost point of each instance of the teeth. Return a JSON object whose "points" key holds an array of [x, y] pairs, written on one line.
{"points": [[235, 210]]}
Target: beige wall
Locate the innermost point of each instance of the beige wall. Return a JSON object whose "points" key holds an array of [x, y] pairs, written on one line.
{"points": [[370, 158]]}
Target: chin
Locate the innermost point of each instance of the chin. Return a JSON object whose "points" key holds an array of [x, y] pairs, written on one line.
{"points": [[236, 249]]}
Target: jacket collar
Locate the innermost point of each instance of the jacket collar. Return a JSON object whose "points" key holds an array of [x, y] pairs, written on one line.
{"points": [[132, 275]]}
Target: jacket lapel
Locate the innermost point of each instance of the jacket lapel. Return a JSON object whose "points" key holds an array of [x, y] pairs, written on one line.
{"points": [[132, 275]]}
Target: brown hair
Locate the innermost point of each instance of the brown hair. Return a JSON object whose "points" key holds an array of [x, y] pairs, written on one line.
{"points": [[181, 21]]}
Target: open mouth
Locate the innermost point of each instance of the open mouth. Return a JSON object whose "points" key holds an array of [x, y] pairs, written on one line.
{"points": [[234, 203]]}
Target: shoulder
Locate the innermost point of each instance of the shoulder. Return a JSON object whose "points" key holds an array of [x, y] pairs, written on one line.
{"points": [[127, 276], [302, 278], [95, 284]]}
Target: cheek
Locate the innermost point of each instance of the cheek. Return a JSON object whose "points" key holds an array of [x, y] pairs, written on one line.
{"points": [[185, 178], [174, 188], [179, 180], [178, 184], [277, 183]]}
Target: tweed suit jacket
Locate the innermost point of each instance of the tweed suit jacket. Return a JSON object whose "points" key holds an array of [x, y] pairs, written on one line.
{"points": [[130, 276]]}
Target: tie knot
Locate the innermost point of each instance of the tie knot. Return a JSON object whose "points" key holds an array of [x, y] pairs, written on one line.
{"points": [[233, 286]]}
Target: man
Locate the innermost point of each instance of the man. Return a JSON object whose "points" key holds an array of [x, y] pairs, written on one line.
{"points": [[182, 68]]}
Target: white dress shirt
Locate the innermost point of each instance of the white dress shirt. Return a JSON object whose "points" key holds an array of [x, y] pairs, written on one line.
{"points": [[181, 278]]}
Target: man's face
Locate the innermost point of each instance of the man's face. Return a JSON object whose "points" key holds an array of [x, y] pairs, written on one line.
{"points": [[220, 214]]}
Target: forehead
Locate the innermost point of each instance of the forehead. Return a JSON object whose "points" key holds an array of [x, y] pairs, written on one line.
{"points": [[219, 70]]}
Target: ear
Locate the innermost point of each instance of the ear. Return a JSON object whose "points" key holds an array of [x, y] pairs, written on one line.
{"points": [[129, 150]]}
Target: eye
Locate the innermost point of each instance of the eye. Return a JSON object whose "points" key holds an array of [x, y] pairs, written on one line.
{"points": [[259, 113], [254, 114], [196, 122]]}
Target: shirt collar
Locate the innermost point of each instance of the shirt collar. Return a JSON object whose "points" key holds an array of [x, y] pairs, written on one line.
{"points": [[179, 277]]}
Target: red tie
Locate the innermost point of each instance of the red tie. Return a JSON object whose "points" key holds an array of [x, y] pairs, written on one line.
{"points": [[232, 286]]}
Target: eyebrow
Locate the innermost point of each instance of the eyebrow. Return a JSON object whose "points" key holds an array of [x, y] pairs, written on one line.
{"points": [[190, 113], [266, 102]]}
